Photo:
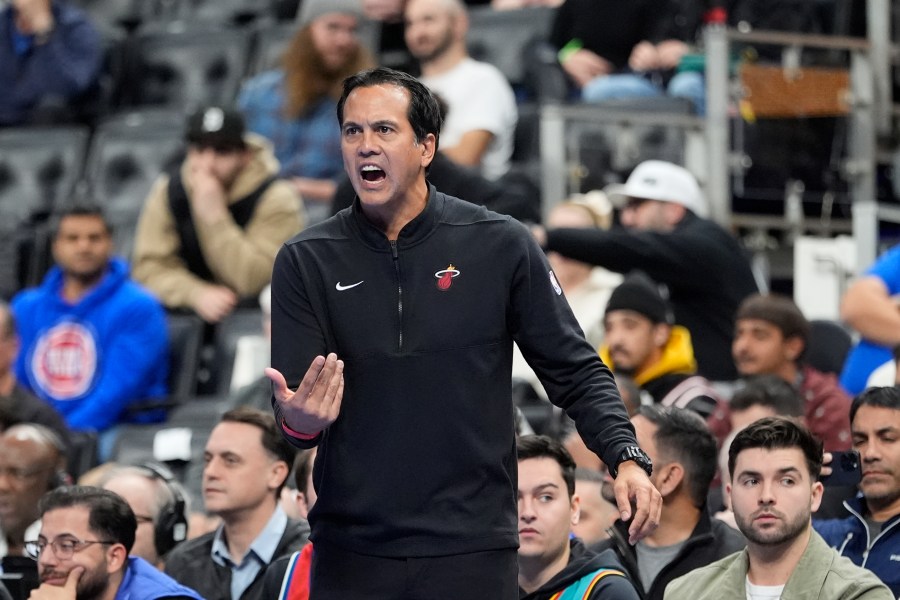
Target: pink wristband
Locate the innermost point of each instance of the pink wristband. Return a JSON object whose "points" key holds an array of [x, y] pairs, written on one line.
{"points": [[296, 434]]}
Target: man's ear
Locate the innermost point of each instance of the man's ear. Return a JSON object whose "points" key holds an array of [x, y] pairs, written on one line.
{"points": [[669, 478], [661, 334], [794, 346], [427, 146], [816, 500], [576, 509], [116, 557]]}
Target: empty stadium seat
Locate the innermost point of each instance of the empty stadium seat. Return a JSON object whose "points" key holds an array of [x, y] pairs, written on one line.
{"points": [[506, 39], [230, 12], [115, 14], [187, 67], [39, 168], [240, 323], [185, 341], [128, 152]]}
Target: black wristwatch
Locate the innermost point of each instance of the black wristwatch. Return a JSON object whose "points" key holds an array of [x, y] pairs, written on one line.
{"points": [[637, 455]]}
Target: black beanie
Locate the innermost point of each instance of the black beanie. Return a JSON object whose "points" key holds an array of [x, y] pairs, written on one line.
{"points": [[642, 295]]}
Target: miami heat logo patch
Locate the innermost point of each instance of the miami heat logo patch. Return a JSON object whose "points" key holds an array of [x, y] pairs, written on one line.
{"points": [[65, 361], [445, 277]]}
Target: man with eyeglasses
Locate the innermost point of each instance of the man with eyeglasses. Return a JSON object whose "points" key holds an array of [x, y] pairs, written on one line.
{"points": [[82, 551], [32, 459]]}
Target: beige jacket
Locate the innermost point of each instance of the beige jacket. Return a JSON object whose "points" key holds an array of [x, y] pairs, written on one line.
{"points": [[821, 574], [240, 259]]}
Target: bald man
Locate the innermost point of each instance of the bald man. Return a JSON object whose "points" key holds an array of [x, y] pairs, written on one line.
{"points": [[32, 461]]}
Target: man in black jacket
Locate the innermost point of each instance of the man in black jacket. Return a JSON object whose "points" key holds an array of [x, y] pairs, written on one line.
{"points": [[247, 463], [684, 457], [550, 561], [393, 323], [668, 238]]}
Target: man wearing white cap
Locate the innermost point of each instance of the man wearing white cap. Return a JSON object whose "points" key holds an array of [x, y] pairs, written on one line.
{"points": [[668, 237]]}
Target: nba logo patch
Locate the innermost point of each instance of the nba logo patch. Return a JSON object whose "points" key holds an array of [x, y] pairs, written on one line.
{"points": [[64, 361]]}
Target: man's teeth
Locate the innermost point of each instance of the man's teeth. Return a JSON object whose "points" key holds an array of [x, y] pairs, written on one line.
{"points": [[370, 168]]}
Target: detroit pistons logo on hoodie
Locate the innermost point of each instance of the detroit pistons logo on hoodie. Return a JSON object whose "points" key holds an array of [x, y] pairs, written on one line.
{"points": [[64, 361]]}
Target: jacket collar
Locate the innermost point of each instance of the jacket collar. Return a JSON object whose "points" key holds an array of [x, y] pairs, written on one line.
{"points": [[412, 233]]}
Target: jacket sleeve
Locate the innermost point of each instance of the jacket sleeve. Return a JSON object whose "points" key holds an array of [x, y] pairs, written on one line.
{"points": [[553, 344], [140, 347], [156, 262], [68, 63], [242, 259], [298, 333], [664, 257]]}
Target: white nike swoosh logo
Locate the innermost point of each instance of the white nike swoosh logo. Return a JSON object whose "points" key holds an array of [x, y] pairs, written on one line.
{"points": [[341, 288]]}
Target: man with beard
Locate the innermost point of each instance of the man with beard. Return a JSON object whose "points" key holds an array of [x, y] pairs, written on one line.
{"points": [[82, 551], [684, 454], [209, 230], [93, 342], [643, 342], [294, 106], [770, 338], [774, 465], [481, 115], [870, 536]]}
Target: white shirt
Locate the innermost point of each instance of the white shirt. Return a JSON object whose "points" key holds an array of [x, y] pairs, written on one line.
{"points": [[763, 592], [478, 97]]}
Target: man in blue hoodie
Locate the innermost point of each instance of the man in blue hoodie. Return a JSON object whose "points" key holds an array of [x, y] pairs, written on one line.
{"points": [[93, 343], [82, 551]]}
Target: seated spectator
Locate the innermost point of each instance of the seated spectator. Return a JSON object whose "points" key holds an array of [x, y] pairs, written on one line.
{"points": [[667, 237], [159, 505], [50, 59], [870, 536], [94, 343], [596, 513], [32, 461], [482, 115], [208, 233], [83, 550], [774, 465], [870, 307], [643, 342], [610, 51], [764, 396], [770, 338], [18, 405], [294, 106], [246, 464], [552, 564], [587, 288], [683, 452]]}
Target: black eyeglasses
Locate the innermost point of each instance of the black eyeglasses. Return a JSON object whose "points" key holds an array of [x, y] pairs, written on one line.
{"points": [[64, 548]]}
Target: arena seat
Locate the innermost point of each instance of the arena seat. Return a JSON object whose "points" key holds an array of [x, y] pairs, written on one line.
{"points": [[187, 66], [39, 167], [127, 153], [506, 38]]}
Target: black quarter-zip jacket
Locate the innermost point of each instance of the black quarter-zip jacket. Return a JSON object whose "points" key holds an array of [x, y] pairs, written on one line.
{"points": [[421, 460]]}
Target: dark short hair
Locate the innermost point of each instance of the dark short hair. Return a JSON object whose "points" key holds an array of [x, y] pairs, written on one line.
{"points": [[682, 436], [771, 391], [885, 397], [778, 310], [272, 439], [773, 433], [79, 208], [541, 446], [110, 517], [424, 111]]}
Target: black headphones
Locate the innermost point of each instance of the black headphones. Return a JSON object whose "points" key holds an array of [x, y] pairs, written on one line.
{"points": [[171, 524]]}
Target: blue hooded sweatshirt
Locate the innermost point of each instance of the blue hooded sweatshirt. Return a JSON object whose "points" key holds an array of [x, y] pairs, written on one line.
{"points": [[94, 358], [143, 581]]}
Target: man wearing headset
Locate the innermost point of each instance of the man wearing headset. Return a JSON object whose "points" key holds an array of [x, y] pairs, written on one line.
{"points": [[159, 505]]}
